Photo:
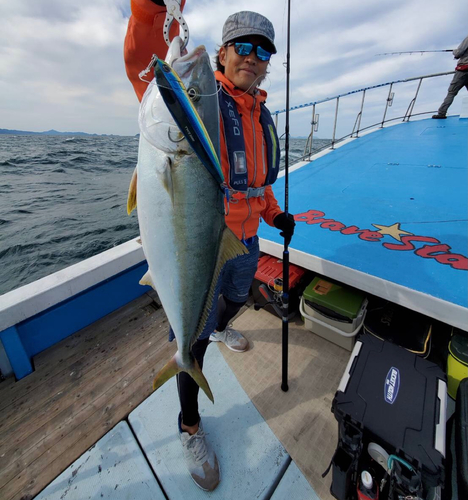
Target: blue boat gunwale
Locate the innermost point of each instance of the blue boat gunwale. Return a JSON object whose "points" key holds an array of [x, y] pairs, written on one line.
{"points": [[31, 299], [41, 314]]}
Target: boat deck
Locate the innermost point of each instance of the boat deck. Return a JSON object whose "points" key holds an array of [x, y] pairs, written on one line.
{"points": [[85, 385], [80, 389]]}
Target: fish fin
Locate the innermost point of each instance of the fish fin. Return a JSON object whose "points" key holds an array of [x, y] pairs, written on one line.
{"points": [[166, 178], [147, 280], [229, 248], [172, 368], [132, 193], [197, 375]]}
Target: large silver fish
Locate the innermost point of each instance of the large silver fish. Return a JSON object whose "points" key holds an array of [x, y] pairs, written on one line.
{"points": [[181, 212]]}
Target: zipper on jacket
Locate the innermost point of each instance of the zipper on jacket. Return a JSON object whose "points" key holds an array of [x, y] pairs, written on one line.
{"points": [[263, 153], [255, 142]]}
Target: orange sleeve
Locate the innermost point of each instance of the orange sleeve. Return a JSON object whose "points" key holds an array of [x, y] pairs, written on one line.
{"points": [[272, 208], [143, 39]]}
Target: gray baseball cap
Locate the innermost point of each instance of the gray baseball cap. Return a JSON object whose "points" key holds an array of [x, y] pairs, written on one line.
{"points": [[247, 23]]}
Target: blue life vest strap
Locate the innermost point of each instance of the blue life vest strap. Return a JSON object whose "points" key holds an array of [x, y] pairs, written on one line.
{"points": [[234, 139]]}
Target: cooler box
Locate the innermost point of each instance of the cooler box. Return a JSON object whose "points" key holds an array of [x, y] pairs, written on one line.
{"points": [[271, 268], [333, 311], [457, 362], [396, 399]]}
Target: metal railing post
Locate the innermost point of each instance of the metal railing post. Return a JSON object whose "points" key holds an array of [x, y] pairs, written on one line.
{"points": [[358, 122], [389, 100], [412, 103], [310, 139], [334, 125], [360, 114]]}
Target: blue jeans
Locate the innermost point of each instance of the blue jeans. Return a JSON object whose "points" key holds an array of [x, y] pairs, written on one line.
{"points": [[234, 283]]}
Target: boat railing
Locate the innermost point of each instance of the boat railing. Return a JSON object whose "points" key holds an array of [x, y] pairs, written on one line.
{"points": [[357, 128]]}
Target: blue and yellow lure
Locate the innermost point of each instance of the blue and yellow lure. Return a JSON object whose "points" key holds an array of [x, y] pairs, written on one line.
{"points": [[185, 115]]}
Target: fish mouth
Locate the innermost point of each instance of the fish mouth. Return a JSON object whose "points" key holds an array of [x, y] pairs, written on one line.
{"points": [[187, 62], [174, 52]]}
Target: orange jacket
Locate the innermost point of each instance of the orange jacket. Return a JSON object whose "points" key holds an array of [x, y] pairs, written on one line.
{"points": [[144, 38]]}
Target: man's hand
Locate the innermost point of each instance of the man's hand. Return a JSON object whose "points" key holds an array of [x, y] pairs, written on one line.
{"points": [[286, 224]]}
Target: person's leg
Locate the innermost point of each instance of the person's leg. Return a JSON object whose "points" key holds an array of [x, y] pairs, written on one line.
{"points": [[200, 458], [188, 389], [458, 81], [227, 309], [237, 280]]}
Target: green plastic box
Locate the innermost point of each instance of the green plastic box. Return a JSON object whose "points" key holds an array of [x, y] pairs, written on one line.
{"points": [[336, 301]]}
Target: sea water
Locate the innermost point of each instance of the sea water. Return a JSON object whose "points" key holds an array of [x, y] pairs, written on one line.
{"points": [[64, 199]]}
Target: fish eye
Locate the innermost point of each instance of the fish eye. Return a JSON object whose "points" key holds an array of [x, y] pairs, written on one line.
{"points": [[166, 68], [194, 93]]}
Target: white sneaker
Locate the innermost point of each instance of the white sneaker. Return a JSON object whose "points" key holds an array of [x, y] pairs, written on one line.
{"points": [[231, 338], [200, 459]]}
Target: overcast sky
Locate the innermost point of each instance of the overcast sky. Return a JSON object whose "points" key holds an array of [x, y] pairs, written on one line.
{"points": [[61, 61]]}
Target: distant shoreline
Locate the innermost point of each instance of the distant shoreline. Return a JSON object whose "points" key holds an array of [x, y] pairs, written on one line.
{"points": [[5, 131]]}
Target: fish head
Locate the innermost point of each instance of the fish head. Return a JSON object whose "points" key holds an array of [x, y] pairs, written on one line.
{"points": [[195, 71]]}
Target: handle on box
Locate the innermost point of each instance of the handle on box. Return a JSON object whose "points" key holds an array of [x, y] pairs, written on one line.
{"points": [[327, 325], [440, 426]]}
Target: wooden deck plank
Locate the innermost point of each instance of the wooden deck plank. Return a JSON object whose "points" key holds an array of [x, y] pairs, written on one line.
{"points": [[47, 396], [23, 440], [6, 383], [75, 347], [57, 438], [112, 407], [32, 479]]}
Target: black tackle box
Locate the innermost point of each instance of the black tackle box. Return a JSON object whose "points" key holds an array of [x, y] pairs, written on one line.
{"points": [[397, 324], [395, 399], [461, 438]]}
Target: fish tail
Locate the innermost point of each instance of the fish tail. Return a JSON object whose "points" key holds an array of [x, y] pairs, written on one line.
{"points": [[173, 368]]}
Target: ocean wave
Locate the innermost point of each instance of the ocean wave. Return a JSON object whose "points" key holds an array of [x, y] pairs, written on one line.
{"points": [[63, 201], [20, 212]]}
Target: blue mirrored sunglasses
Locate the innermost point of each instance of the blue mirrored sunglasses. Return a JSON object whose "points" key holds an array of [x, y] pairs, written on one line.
{"points": [[245, 48]]}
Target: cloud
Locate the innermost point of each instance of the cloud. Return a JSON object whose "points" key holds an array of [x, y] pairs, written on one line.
{"points": [[61, 62]]}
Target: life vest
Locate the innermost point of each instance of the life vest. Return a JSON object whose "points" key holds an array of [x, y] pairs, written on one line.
{"points": [[235, 146]]}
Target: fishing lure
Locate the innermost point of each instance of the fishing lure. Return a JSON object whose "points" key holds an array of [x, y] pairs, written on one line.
{"points": [[185, 115]]}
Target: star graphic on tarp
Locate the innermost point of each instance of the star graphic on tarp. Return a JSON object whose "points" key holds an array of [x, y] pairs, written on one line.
{"points": [[394, 230]]}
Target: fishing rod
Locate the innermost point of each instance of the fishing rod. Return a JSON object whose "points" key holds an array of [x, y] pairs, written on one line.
{"points": [[284, 380], [414, 52]]}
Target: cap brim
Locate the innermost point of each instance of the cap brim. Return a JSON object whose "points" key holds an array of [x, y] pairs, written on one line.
{"points": [[269, 45]]}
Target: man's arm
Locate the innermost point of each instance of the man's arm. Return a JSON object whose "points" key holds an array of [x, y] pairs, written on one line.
{"points": [[461, 49], [144, 38], [272, 208]]}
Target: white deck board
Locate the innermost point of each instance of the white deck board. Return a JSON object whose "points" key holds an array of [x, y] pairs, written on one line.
{"points": [[114, 468], [251, 458], [294, 486]]}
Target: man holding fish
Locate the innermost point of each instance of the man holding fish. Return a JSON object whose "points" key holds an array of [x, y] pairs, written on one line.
{"points": [[249, 155]]}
